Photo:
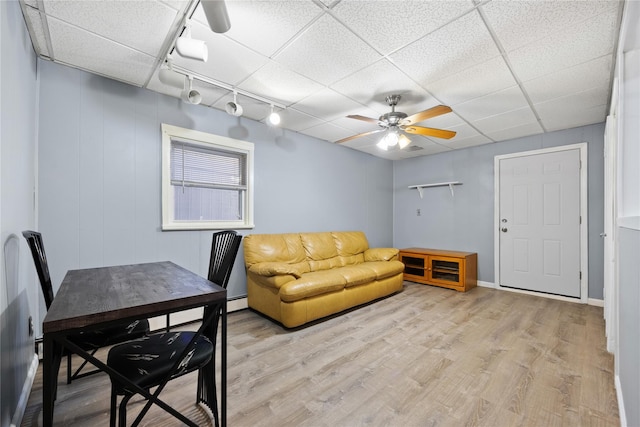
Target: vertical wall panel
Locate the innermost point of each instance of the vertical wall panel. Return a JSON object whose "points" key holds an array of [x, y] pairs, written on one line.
{"points": [[91, 169]]}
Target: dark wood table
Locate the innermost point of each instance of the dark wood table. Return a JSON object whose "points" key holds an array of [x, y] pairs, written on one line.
{"points": [[96, 298]]}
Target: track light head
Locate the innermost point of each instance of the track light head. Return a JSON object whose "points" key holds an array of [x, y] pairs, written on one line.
{"points": [[191, 48], [274, 117], [217, 16], [232, 107], [169, 77], [189, 94]]}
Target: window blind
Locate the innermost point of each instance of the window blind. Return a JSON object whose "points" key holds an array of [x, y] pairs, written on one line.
{"points": [[195, 166]]}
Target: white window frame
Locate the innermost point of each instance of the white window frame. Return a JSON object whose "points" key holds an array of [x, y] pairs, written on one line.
{"points": [[206, 140]]}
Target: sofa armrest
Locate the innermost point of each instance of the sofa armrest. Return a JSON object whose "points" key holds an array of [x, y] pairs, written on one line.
{"points": [[276, 269], [381, 254]]}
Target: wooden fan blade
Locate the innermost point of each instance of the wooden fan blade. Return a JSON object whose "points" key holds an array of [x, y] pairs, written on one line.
{"points": [[349, 138], [436, 111], [363, 118], [438, 133]]}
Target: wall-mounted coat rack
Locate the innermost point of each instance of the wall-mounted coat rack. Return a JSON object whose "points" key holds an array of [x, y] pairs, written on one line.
{"points": [[421, 187]]}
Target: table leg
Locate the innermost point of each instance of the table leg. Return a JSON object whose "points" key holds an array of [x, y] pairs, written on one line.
{"points": [[51, 365], [223, 368]]}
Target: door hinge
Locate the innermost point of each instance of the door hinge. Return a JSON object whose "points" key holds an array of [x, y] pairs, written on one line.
{"points": [[580, 219], [581, 275]]}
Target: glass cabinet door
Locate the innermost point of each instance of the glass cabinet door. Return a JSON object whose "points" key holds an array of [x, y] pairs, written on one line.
{"points": [[444, 270]]}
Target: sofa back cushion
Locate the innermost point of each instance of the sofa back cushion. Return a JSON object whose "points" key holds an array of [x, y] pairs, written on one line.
{"points": [[321, 252], [273, 248], [350, 246]]}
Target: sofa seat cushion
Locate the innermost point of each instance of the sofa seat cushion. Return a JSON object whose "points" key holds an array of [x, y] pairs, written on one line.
{"points": [[384, 269], [280, 268], [356, 274], [312, 284]]}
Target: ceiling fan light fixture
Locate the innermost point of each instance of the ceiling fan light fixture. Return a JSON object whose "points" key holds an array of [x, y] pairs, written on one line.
{"points": [[391, 138], [217, 15], [191, 48], [403, 141], [382, 144]]}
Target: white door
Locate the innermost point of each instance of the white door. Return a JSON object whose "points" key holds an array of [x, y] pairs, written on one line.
{"points": [[539, 220]]}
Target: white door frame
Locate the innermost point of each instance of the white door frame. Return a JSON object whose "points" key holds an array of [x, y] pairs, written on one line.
{"points": [[584, 242]]}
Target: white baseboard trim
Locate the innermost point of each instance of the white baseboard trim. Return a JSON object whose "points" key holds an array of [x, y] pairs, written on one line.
{"points": [[622, 414], [16, 421], [486, 284], [237, 304], [590, 301], [596, 302]]}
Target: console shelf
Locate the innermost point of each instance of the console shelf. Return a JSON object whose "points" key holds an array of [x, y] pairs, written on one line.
{"points": [[448, 269]]}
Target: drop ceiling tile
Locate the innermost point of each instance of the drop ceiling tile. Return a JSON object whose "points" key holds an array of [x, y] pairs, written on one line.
{"points": [[327, 132], [390, 25], [479, 80], [471, 141], [38, 38], [279, 84], [452, 48], [498, 102], [506, 120], [142, 25], [518, 23], [327, 52], [516, 132], [265, 26], [297, 120], [179, 5], [579, 109], [96, 54], [372, 85], [365, 141], [572, 46], [589, 75], [327, 104], [228, 61]]}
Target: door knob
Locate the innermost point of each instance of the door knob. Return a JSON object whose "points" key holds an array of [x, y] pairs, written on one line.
{"points": [[504, 229]]}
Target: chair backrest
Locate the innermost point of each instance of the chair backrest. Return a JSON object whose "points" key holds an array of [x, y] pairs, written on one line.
{"points": [[34, 239], [224, 249]]}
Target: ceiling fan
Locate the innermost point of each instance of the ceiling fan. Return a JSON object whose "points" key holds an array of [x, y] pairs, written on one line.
{"points": [[396, 123]]}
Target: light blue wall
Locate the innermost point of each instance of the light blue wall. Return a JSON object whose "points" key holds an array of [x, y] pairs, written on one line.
{"points": [[465, 222], [19, 291], [99, 178]]}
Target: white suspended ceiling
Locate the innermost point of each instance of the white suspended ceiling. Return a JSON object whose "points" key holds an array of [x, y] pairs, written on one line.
{"points": [[508, 69]]}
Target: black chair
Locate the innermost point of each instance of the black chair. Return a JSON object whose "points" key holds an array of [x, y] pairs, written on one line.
{"points": [[149, 360], [88, 341]]}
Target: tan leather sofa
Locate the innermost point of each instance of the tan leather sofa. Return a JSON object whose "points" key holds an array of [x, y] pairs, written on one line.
{"points": [[297, 278]]}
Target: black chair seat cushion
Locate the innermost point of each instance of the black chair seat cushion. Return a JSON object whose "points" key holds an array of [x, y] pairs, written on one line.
{"points": [[112, 335], [147, 360]]}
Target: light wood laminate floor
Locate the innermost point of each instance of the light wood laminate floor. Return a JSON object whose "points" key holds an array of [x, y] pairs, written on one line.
{"points": [[424, 357]]}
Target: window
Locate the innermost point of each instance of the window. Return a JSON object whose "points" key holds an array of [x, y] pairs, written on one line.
{"points": [[207, 181]]}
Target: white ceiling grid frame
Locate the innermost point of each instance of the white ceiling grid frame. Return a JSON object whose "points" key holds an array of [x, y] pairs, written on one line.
{"points": [[492, 104]]}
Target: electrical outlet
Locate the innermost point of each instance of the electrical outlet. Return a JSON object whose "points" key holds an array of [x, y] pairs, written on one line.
{"points": [[418, 213]]}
